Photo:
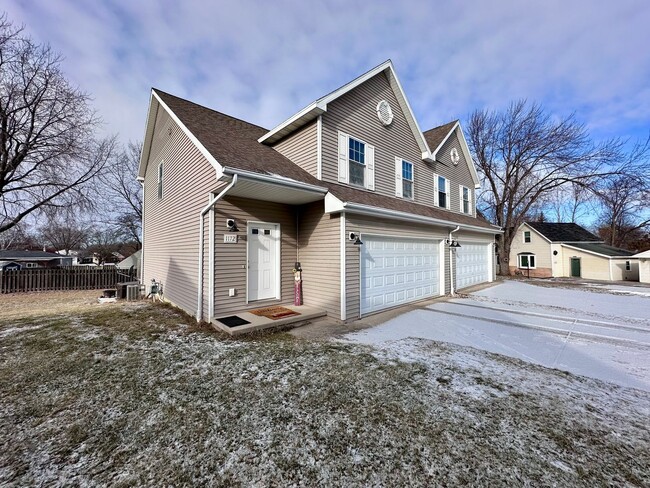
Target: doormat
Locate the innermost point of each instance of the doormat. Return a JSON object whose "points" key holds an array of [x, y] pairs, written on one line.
{"points": [[274, 313], [233, 321]]}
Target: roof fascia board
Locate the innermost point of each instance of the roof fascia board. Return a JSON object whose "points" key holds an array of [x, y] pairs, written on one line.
{"points": [[337, 206], [148, 139], [310, 112], [250, 175], [211, 159]]}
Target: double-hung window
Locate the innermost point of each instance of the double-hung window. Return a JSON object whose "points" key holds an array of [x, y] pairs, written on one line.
{"points": [[526, 236], [465, 200], [357, 161], [407, 179], [403, 178], [441, 191]]}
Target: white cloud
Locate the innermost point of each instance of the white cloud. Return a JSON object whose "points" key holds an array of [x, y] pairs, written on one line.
{"points": [[262, 61]]}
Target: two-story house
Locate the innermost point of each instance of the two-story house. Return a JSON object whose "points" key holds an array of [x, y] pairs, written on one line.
{"points": [[350, 187]]}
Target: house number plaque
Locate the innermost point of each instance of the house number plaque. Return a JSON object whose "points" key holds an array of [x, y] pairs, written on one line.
{"points": [[230, 238]]}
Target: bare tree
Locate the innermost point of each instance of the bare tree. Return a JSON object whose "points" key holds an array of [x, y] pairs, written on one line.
{"points": [[122, 193], [48, 153], [623, 196], [65, 230], [523, 154], [18, 237]]}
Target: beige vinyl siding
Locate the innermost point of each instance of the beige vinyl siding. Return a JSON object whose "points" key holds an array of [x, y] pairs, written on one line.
{"points": [[301, 147], [385, 227], [171, 224], [539, 246], [355, 114], [319, 256], [456, 174], [592, 267], [230, 264], [619, 273]]}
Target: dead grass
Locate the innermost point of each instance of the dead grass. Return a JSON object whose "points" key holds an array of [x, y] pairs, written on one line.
{"points": [[139, 395]]}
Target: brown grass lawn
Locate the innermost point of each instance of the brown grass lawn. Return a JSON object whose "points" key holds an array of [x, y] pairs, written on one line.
{"points": [[136, 394]]}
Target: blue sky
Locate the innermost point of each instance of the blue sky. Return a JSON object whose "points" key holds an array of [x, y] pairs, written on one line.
{"points": [[263, 61]]}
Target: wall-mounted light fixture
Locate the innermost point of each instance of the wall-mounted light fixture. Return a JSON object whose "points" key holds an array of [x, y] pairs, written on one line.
{"points": [[355, 237], [232, 226], [453, 244]]}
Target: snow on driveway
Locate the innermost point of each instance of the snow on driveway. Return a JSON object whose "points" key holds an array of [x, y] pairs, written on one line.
{"points": [[594, 334]]}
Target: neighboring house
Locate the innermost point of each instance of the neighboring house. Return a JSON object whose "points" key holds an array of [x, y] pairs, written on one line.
{"points": [[349, 187], [72, 254], [644, 266], [133, 261], [35, 259], [546, 249], [10, 266]]}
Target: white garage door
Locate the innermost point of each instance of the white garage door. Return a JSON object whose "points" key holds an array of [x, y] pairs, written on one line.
{"points": [[396, 271], [472, 264]]}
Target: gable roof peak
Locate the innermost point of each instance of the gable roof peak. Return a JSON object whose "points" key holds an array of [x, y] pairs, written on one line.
{"points": [[319, 106]]}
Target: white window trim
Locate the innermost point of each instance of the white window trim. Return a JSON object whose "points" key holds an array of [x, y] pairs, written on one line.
{"points": [[399, 178], [520, 266], [523, 237], [436, 190], [462, 201]]}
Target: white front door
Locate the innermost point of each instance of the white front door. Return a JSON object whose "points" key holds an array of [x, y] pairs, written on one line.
{"points": [[263, 261]]}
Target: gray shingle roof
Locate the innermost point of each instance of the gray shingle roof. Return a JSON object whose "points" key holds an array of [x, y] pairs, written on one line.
{"points": [[233, 142], [37, 255], [436, 135], [563, 232], [602, 249]]}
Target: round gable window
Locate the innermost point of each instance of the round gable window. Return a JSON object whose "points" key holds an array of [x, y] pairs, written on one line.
{"points": [[384, 112], [455, 157]]}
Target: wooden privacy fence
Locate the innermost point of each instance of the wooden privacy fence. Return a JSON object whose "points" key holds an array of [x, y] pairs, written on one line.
{"points": [[67, 278]]}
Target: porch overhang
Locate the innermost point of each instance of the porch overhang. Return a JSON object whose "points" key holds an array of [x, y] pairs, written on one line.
{"points": [[272, 188]]}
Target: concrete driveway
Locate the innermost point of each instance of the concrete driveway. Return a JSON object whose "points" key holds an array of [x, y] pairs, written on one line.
{"points": [[589, 332]]}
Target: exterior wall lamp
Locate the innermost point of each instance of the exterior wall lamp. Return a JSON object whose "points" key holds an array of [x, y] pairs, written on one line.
{"points": [[232, 226], [453, 244], [355, 237]]}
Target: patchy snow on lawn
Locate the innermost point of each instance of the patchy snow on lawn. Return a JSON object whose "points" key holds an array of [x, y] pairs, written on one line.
{"points": [[145, 398]]}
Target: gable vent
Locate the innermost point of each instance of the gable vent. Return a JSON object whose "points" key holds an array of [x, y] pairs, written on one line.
{"points": [[384, 112], [455, 157]]}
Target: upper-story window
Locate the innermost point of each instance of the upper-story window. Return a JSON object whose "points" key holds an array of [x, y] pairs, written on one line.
{"points": [[403, 178], [526, 236], [160, 180], [441, 191], [407, 179], [465, 200], [356, 162]]}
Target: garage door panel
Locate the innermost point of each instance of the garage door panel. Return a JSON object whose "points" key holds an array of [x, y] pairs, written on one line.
{"points": [[472, 264], [395, 271]]}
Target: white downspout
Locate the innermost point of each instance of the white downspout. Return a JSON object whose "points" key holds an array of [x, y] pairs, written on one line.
{"points": [[206, 209], [451, 261], [142, 236]]}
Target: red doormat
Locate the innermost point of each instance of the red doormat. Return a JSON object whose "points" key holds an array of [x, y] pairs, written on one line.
{"points": [[274, 313]]}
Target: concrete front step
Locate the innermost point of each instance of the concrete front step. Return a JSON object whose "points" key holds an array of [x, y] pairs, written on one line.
{"points": [[259, 323]]}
